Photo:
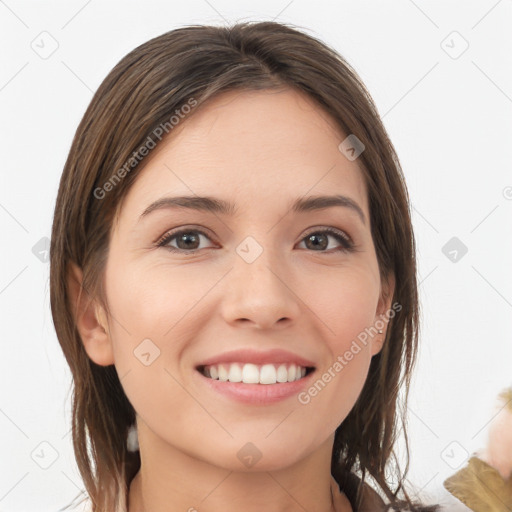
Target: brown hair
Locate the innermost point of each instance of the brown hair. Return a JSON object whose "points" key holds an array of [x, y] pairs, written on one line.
{"points": [[141, 93]]}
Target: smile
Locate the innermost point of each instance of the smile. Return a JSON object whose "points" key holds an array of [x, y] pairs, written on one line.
{"points": [[249, 373]]}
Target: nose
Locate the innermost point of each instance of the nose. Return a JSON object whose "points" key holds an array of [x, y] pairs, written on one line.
{"points": [[259, 294]]}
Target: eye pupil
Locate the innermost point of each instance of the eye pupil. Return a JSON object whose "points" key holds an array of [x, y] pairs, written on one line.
{"points": [[187, 237], [314, 239]]}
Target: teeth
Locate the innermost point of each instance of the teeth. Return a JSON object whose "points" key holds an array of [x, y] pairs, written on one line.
{"points": [[267, 374], [249, 373], [223, 373], [282, 373], [235, 373]]}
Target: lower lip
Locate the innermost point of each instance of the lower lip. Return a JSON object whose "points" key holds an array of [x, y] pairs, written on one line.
{"points": [[257, 393]]}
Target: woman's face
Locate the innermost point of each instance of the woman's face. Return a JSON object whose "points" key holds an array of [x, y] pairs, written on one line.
{"points": [[261, 277]]}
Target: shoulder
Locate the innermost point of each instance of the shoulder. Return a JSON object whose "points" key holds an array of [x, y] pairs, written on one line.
{"points": [[370, 501]]}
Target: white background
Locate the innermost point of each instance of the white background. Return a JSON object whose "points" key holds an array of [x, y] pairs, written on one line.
{"points": [[449, 119]]}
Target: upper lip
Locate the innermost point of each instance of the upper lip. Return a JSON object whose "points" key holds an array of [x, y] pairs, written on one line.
{"points": [[257, 357]]}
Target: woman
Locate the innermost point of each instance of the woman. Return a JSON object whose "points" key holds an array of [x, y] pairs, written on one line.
{"points": [[233, 279]]}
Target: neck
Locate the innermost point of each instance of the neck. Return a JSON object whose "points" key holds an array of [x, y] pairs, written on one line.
{"points": [[169, 476]]}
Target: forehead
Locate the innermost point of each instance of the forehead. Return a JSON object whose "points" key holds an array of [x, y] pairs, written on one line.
{"points": [[254, 148]]}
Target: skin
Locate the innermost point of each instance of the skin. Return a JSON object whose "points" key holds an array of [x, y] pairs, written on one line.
{"points": [[260, 150]]}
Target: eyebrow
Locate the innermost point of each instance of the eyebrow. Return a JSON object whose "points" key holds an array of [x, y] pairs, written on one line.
{"points": [[219, 206]]}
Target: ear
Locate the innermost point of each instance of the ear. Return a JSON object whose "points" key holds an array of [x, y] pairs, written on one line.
{"points": [[382, 315], [90, 319]]}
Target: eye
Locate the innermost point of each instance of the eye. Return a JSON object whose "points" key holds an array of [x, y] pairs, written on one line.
{"points": [[187, 240], [318, 240]]}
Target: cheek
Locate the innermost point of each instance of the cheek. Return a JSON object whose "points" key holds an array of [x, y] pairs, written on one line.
{"points": [[155, 313], [337, 386], [345, 303], [153, 303]]}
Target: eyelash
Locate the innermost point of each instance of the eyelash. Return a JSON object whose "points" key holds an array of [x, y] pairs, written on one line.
{"points": [[346, 247]]}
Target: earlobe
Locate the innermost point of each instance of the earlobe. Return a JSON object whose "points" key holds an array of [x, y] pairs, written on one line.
{"points": [[382, 314], [90, 319]]}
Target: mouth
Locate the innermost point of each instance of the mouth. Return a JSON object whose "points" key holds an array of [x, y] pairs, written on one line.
{"points": [[249, 373]]}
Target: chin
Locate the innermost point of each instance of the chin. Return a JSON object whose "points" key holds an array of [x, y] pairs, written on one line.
{"points": [[246, 456]]}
